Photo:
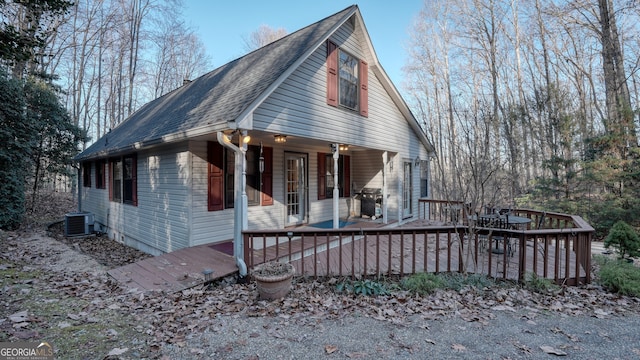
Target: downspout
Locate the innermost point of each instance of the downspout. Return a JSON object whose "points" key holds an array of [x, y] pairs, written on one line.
{"points": [[240, 222], [336, 189]]}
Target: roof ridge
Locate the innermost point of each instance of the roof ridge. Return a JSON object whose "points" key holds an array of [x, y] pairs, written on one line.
{"points": [[217, 97]]}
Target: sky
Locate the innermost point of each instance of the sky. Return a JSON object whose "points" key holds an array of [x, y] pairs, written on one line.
{"points": [[224, 24]]}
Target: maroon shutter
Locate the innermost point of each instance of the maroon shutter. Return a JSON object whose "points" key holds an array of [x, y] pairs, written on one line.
{"points": [[332, 73], [267, 176], [322, 177], [134, 179], [364, 88], [347, 175], [215, 194], [110, 180], [99, 174], [104, 173]]}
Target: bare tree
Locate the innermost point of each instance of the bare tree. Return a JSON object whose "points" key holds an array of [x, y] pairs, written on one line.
{"points": [[264, 35]]}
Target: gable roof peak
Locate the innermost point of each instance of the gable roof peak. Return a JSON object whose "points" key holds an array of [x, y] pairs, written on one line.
{"points": [[215, 100]]}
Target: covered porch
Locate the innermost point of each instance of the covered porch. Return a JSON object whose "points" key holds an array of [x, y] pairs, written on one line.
{"points": [[554, 246]]}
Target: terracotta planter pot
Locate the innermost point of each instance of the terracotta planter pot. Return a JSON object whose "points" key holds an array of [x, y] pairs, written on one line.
{"points": [[272, 286]]}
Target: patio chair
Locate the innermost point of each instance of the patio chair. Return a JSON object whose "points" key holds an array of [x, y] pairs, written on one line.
{"points": [[502, 223]]}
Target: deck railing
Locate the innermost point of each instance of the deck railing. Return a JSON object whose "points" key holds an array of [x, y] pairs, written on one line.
{"points": [[554, 246]]}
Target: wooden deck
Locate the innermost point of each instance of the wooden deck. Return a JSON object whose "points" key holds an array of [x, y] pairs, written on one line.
{"points": [[182, 269], [561, 255], [371, 256], [370, 249], [177, 270]]}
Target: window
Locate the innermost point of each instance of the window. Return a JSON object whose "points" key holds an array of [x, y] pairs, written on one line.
{"points": [[221, 192], [123, 185], [116, 180], [129, 171], [252, 176], [348, 84], [86, 174], [326, 176], [347, 80], [100, 174]]}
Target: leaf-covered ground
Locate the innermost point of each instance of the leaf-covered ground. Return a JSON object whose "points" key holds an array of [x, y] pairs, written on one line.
{"points": [[58, 290]]}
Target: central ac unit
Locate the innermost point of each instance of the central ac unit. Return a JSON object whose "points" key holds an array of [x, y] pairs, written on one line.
{"points": [[77, 224]]}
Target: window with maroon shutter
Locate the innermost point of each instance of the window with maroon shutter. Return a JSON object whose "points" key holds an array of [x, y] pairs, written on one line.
{"points": [[100, 174], [364, 89], [322, 177], [332, 73], [267, 177], [326, 176], [347, 80], [215, 158]]}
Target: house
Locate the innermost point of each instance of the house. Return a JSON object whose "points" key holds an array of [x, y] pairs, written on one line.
{"points": [[286, 135]]}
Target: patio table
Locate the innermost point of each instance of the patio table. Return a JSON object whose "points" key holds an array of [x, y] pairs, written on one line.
{"points": [[512, 221], [502, 222]]}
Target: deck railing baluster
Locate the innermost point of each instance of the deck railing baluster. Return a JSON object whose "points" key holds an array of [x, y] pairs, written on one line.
{"points": [[553, 249]]}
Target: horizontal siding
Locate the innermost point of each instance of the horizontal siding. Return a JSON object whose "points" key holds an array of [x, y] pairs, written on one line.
{"points": [[298, 108], [206, 226], [160, 222], [95, 200]]}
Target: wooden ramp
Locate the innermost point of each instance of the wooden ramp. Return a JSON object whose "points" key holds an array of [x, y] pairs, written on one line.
{"points": [[177, 270]]}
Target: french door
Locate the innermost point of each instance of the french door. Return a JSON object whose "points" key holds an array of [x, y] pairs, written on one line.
{"points": [[295, 188]]}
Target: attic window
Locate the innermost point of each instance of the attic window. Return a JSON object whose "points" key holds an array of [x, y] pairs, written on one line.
{"points": [[347, 80]]}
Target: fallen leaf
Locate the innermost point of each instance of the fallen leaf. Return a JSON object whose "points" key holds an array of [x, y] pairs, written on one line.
{"points": [[23, 335], [117, 351], [356, 355], [601, 314], [18, 317], [330, 349], [523, 347], [553, 351], [503, 308]]}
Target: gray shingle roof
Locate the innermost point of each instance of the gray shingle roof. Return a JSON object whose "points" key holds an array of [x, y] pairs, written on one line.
{"points": [[216, 97]]}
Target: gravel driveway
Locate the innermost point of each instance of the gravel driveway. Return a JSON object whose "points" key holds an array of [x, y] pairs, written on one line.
{"points": [[521, 334]]}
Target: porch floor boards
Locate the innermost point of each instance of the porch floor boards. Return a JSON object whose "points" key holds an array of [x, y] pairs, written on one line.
{"points": [[175, 271]]}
